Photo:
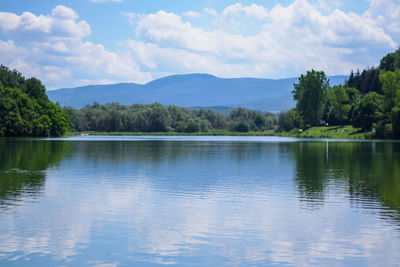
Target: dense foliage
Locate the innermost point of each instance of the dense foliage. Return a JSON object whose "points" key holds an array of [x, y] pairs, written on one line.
{"points": [[155, 117], [310, 94], [369, 100], [25, 109]]}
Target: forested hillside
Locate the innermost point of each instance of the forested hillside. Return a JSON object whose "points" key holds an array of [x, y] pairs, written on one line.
{"points": [[25, 109], [189, 90]]}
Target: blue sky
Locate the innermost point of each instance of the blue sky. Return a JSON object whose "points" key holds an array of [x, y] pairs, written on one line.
{"points": [[72, 43]]}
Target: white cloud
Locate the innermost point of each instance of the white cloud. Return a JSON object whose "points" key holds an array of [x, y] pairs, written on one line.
{"points": [[386, 14], [64, 12], [252, 11], [9, 51], [241, 40], [210, 11], [285, 41], [51, 48], [192, 14], [60, 24]]}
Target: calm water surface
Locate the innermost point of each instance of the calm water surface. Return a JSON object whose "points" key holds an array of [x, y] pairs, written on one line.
{"points": [[198, 201]]}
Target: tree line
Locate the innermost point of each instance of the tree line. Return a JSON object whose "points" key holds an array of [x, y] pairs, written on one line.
{"points": [[114, 117], [369, 100]]}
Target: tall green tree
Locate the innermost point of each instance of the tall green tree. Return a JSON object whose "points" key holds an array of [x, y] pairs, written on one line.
{"points": [[391, 89], [391, 61], [367, 111], [366, 81], [338, 105], [310, 94]]}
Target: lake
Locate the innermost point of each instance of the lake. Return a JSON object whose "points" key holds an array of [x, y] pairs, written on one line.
{"points": [[199, 201]]}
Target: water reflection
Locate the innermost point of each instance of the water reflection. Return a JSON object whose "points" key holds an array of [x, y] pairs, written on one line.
{"points": [[202, 203], [370, 171], [22, 167]]}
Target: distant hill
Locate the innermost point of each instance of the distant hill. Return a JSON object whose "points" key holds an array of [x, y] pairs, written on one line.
{"points": [[190, 90]]}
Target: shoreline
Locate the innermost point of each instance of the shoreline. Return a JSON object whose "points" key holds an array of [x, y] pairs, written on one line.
{"points": [[331, 132], [211, 133]]}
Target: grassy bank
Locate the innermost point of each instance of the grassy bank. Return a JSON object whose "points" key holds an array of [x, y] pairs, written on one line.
{"points": [[337, 132]]}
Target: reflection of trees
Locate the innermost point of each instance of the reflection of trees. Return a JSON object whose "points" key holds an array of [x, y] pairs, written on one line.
{"points": [[186, 165], [22, 165], [160, 151], [310, 166], [370, 170]]}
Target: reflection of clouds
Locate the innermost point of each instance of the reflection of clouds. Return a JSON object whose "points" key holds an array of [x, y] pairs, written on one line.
{"points": [[241, 230], [137, 214]]}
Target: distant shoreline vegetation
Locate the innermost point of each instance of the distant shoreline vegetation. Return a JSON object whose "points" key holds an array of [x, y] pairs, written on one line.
{"points": [[155, 118], [366, 106]]}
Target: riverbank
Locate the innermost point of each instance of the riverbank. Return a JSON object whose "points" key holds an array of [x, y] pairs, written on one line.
{"points": [[336, 132]]}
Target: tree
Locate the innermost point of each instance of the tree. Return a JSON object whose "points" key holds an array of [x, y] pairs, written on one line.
{"points": [[11, 78], [367, 111], [77, 119], [23, 115], [288, 120], [259, 121], [338, 105], [159, 119], [241, 127], [34, 88], [391, 61], [366, 81], [391, 89], [192, 126], [270, 120], [310, 94], [395, 117]]}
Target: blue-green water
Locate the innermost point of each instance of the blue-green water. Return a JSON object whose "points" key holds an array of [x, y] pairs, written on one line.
{"points": [[198, 201]]}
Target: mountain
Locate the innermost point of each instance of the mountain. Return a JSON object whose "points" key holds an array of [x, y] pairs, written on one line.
{"points": [[190, 90]]}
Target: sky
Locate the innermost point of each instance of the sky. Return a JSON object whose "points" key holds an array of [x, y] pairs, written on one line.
{"points": [[68, 43]]}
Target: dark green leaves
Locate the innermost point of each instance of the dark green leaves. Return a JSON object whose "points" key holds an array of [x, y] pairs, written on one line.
{"points": [[25, 109], [310, 94]]}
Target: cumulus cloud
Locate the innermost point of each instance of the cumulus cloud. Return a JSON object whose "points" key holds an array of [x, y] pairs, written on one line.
{"points": [[284, 41], [210, 11], [252, 11], [240, 40], [60, 24], [64, 12], [52, 49], [192, 14], [386, 14]]}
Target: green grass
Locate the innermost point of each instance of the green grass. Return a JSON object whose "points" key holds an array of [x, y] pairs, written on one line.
{"points": [[336, 132]]}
